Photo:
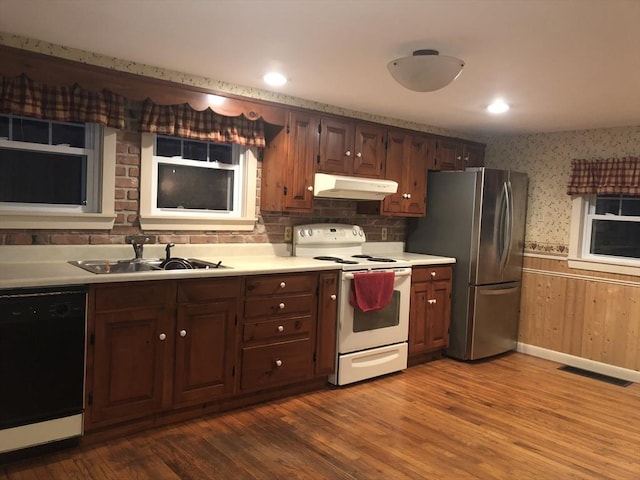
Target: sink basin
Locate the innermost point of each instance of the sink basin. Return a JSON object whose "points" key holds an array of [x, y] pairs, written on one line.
{"points": [[144, 265], [116, 266]]}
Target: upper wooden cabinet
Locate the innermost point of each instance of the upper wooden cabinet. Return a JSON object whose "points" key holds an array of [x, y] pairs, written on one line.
{"points": [[408, 157], [288, 165], [348, 148], [455, 154]]}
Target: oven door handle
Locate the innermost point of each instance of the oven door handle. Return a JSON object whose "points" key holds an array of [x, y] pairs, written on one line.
{"points": [[400, 273]]}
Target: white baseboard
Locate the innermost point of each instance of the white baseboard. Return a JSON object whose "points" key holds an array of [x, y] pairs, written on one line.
{"points": [[579, 362]]}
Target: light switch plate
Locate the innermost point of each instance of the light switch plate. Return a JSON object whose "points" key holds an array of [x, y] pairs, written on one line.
{"points": [[384, 233], [288, 232]]}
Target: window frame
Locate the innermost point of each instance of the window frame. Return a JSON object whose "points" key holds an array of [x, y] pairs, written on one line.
{"points": [[154, 218], [582, 216], [98, 214]]}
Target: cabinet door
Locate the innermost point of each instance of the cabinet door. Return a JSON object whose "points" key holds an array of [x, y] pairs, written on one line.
{"points": [[302, 152], [446, 153], [416, 176], [205, 339], [418, 335], [474, 155], [327, 324], [336, 147], [369, 150], [438, 315], [130, 351], [394, 170]]}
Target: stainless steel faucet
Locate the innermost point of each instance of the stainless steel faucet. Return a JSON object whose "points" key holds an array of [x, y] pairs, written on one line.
{"points": [[138, 246]]}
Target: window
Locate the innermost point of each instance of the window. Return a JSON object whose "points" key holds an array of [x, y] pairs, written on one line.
{"points": [[605, 233], [196, 185], [53, 172]]}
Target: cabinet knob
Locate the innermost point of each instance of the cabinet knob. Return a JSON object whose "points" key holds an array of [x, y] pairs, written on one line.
{"points": [[432, 301], [281, 306], [282, 284], [333, 297], [162, 336], [433, 274], [359, 155], [348, 153], [280, 328], [310, 188], [278, 363], [408, 195], [458, 157], [183, 333]]}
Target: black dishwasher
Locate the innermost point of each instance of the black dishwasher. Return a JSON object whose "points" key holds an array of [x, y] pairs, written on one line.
{"points": [[42, 351]]}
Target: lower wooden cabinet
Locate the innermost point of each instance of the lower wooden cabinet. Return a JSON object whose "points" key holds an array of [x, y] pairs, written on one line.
{"points": [[430, 311], [164, 345]]}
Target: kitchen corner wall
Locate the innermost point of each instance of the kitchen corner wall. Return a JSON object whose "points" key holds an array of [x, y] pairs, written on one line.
{"points": [[587, 314]]}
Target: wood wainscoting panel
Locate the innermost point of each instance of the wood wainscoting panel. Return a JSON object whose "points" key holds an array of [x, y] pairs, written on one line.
{"points": [[588, 314]]}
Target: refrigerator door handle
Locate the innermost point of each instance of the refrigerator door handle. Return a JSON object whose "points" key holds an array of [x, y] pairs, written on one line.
{"points": [[510, 221], [498, 291], [503, 234]]}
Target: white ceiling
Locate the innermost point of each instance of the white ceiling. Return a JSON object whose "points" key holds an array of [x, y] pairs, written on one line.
{"points": [[561, 64]]}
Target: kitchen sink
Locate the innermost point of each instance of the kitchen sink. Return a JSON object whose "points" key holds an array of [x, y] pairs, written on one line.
{"points": [[144, 265]]}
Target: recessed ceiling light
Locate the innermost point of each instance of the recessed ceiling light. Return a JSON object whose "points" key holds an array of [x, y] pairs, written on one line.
{"points": [[275, 79], [498, 107]]}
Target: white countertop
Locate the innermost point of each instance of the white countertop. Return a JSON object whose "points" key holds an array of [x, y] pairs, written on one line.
{"points": [[40, 266]]}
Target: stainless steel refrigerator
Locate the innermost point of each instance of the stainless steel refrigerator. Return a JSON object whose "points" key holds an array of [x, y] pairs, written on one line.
{"points": [[478, 217]]}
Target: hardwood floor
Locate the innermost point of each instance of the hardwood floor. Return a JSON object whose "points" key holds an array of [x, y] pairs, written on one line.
{"points": [[515, 417]]}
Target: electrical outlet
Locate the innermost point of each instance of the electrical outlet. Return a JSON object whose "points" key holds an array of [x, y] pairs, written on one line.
{"points": [[384, 233], [288, 233]]}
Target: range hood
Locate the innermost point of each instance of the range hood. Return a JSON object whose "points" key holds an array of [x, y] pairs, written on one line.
{"points": [[354, 188]]}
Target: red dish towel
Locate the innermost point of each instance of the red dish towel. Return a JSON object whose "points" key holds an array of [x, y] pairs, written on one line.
{"points": [[371, 291]]}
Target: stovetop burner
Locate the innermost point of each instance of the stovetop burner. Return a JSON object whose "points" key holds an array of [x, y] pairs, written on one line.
{"points": [[374, 259], [336, 259]]}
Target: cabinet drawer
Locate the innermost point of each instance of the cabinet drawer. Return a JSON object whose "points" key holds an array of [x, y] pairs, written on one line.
{"points": [[424, 274], [276, 329], [117, 296], [280, 284], [204, 290], [276, 364], [280, 305]]}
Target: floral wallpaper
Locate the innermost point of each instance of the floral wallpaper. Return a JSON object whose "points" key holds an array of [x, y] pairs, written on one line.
{"points": [[546, 158]]}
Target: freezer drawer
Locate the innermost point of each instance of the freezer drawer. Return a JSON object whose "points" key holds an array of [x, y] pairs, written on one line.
{"points": [[494, 315]]}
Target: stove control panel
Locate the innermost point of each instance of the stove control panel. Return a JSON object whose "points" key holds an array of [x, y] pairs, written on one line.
{"points": [[328, 234]]}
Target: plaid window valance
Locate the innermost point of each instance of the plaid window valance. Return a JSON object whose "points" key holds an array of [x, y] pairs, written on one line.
{"points": [[23, 96], [183, 121], [615, 176]]}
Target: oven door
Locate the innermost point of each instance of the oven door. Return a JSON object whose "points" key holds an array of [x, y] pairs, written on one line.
{"points": [[359, 330]]}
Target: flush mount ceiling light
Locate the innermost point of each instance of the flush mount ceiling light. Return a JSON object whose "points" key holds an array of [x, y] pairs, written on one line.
{"points": [[425, 70], [275, 79]]}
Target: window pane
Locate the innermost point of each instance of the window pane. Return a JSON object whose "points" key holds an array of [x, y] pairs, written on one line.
{"points": [[631, 207], [38, 177], [4, 127], [168, 147], [608, 204], [195, 150], [610, 237], [34, 131], [194, 188], [72, 135], [220, 153]]}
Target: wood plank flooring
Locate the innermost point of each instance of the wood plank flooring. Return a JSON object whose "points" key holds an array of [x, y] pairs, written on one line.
{"points": [[515, 417]]}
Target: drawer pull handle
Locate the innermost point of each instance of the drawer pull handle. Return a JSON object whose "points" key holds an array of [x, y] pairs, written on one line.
{"points": [[278, 363], [280, 328], [333, 297], [432, 301], [281, 306], [433, 274], [282, 284], [162, 336], [183, 333]]}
